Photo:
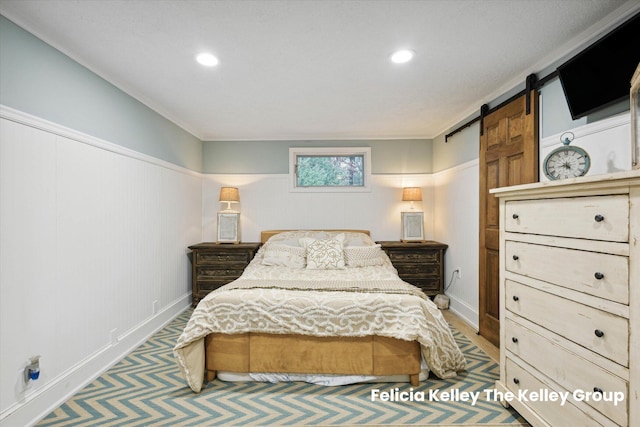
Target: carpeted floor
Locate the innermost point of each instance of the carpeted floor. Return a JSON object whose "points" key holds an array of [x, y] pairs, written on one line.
{"points": [[145, 389]]}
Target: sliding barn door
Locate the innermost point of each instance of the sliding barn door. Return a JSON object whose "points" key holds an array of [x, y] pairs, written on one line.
{"points": [[508, 156]]}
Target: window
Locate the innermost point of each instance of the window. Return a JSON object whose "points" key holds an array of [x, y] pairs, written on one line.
{"points": [[330, 169]]}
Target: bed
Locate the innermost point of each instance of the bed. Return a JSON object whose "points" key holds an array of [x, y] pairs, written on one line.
{"points": [[317, 303]]}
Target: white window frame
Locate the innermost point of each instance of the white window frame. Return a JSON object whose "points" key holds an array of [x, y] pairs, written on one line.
{"points": [[365, 152]]}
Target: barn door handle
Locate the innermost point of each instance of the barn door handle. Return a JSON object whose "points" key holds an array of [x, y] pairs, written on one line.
{"points": [[599, 218], [515, 216], [599, 275], [516, 257], [514, 339], [598, 333], [516, 298]]}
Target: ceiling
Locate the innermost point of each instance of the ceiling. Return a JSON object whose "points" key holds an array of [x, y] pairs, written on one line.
{"points": [[310, 69]]}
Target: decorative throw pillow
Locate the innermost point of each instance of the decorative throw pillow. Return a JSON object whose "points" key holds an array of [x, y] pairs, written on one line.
{"points": [[363, 256], [284, 255], [324, 254]]}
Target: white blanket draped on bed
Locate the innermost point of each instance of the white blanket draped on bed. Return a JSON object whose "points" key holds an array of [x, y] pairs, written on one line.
{"points": [[352, 302]]}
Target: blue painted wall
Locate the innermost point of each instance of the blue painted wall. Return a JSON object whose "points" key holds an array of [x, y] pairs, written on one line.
{"points": [[37, 79]]}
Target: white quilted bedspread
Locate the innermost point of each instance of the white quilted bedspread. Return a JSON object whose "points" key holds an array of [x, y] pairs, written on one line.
{"points": [[350, 302]]}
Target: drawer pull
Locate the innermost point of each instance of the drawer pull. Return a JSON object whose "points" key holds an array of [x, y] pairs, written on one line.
{"points": [[599, 275], [516, 298], [515, 216], [514, 339], [597, 390], [599, 218], [516, 381], [599, 333], [516, 257]]}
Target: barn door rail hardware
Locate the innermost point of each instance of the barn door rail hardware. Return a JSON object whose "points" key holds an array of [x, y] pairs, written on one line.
{"points": [[531, 84]]}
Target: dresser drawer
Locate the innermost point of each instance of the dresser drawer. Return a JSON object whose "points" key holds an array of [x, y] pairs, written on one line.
{"points": [[518, 379], [597, 218], [577, 322], [569, 370], [204, 258], [598, 274]]}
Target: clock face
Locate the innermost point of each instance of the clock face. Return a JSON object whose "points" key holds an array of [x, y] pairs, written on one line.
{"points": [[566, 162]]}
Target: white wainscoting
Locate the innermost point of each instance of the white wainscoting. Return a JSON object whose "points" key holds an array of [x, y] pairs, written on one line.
{"points": [[607, 141], [94, 240], [450, 203], [93, 257], [266, 203], [456, 223]]}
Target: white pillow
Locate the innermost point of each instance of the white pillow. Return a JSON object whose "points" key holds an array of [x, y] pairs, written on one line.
{"points": [[324, 254], [284, 255], [363, 256], [357, 241]]}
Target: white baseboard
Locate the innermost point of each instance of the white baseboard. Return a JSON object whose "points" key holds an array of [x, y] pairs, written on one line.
{"points": [[42, 402], [464, 311]]}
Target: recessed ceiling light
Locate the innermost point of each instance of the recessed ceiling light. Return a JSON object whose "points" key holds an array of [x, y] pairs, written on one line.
{"points": [[207, 59], [402, 56]]}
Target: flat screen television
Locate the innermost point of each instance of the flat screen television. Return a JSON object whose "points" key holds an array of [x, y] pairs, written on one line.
{"points": [[600, 75]]}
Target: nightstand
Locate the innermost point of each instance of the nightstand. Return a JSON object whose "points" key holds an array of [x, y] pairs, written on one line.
{"points": [[216, 264], [419, 263]]}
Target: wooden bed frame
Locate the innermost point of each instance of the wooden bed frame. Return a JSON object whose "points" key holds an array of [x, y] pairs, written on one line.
{"points": [[259, 352]]}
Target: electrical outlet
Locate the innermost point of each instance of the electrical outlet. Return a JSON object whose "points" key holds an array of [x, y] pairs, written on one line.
{"points": [[114, 336], [154, 307], [458, 273]]}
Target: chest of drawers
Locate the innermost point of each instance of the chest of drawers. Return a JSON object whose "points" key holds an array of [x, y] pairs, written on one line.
{"points": [[418, 263], [214, 265], [570, 299]]}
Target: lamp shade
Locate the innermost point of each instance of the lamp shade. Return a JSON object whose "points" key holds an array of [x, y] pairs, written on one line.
{"points": [[229, 194], [412, 194]]}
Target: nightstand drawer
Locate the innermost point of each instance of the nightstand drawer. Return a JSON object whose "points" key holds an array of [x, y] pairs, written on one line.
{"points": [[215, 265], [397, 256], [206, 286], [203, 258], [418, 270], [599, 331], [597, 218], [602, 275], [429, 286], [216, 272], [418, 263]]}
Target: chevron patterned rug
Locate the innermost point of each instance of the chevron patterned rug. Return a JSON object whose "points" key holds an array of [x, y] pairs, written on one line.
{"points": [[145, 389]]}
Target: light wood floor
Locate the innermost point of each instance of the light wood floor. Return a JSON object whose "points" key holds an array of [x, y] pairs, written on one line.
{"points": [[468, 331]]}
